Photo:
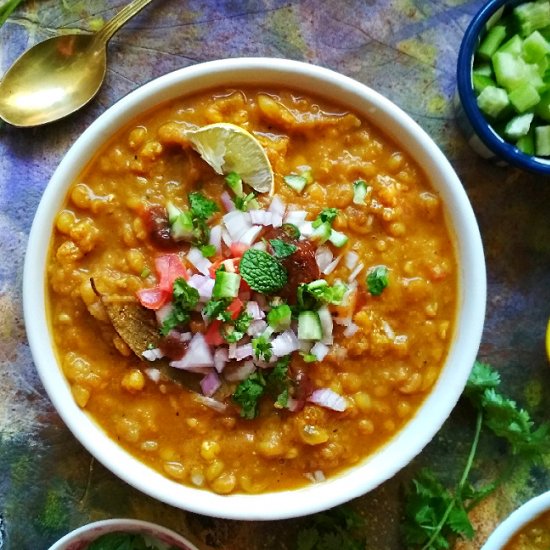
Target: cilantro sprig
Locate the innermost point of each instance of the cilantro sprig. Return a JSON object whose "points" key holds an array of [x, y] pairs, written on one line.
{"points": [[436, 514], [184, 300]]}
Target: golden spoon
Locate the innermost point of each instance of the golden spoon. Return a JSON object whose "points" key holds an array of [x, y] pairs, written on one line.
{"points": [[60, 75]]}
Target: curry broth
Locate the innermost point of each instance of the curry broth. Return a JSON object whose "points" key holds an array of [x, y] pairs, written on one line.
{"points": [[533, 536], [385, 370]]}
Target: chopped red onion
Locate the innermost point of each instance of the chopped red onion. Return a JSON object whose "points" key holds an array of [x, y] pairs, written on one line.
{"points": [[210, 383], [264, 217], [343, 321], [211, 403], [227, 202], [351, 259], [220, 358], [306, 228], [250, 235], [226, 238], [204, 284], [285, 344], [198, 355], [232, 352], [388, 330], [256, 328], [292, 404], [237, 224], [153, 374], [244, 351], [329, 399], [320, 350], [296, 217], [327, 325], [319, 476], [323, 257], [254, 309], [277, 206], [216, 238], [236, 373], [163, 313], [355, 272], [197, 260], [350, 330], [332, 266], [153, 354]]}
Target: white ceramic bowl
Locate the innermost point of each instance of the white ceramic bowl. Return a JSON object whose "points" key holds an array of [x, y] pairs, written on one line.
{"points": [[80, 538], [517, 520], [471, 301]]}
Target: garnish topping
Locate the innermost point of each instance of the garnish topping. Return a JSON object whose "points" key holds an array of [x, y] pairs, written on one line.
{"points": [[184, 300], [377, 279], [262, 272], [282, 249]]}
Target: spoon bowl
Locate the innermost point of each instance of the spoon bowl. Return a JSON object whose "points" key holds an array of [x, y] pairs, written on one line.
{"points": [[52, 80], [60, 75]]}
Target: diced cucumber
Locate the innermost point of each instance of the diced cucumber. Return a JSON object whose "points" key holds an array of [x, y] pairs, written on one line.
{"points": [[542, 141], [491, 42], [322, 233], [337, 238], [513, 46], [484, 69], [543, 108], [360, 190], [526, 144], [480, 82], [524, 97], [296, 182], [532, 16], [535, 47], [227, 285], [518, 126], [493, 101], [510, 71], [181, 223], [309, 326]]}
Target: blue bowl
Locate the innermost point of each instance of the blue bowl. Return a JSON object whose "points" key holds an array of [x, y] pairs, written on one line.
{"points": [[481, 136]]}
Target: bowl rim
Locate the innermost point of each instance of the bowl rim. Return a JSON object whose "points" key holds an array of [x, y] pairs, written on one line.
{"points": [[90, 531], [437, 406], [503, 149], [518, 519]]}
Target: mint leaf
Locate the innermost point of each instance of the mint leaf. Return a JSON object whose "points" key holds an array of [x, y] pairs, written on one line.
{"points": [[262, 271], [281, 249]]}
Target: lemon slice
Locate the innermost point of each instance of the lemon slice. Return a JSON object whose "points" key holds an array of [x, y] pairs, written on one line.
{"points": [[229, 148]]}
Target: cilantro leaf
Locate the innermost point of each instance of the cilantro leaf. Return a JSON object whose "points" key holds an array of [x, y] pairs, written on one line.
{"points": [[201, 207], [243, 321], [216, 309], [481, 378], [326, 215], [377, 279], [262, 271], [282, 249], [208, 250], [338, 528], [248, 393], [262, 348], [184, 300], [236, 331]]}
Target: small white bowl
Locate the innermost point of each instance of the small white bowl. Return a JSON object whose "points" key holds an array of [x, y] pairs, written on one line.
{"points": [[80, 538], [471, 300], [517, 520]]}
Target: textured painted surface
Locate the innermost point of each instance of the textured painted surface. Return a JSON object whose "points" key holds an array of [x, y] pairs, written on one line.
{"points": [[405, 49]]}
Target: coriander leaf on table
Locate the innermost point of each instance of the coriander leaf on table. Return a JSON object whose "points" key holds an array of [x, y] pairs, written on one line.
{"points": [[336, 529], [481, 378]]}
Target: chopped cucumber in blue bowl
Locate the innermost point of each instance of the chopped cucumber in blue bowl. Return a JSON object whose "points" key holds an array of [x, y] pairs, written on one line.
{"points": [[503, 83]]}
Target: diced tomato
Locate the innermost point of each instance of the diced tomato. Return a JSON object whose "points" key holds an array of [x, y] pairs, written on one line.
{"points": [[215, 265], [238, 249], [213, 336], [235, 308], [169, 268], [245, 287], [153, 298]]}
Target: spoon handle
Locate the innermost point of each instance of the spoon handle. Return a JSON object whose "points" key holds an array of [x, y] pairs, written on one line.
{"points": [[112, 26]]}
